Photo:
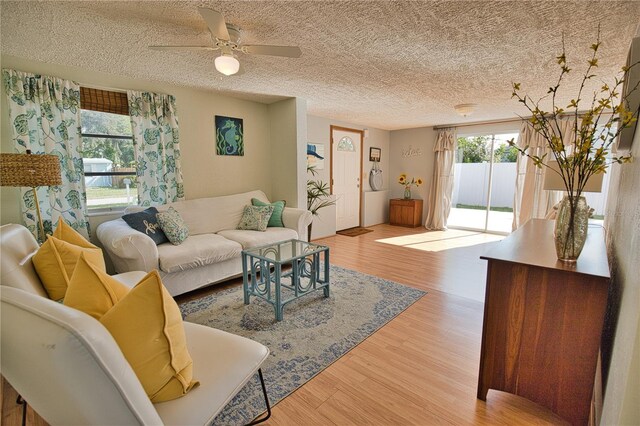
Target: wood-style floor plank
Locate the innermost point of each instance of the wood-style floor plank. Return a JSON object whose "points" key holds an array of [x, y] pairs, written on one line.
{"points": [[422, 367]]}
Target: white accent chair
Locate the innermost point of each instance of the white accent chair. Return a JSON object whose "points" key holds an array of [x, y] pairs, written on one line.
{"points": [[67, 366]]}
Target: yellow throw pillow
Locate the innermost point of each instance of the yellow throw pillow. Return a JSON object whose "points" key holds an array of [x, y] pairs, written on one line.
{"points": [[56, 259], [66, 233], [147, 325], [93, 291]]}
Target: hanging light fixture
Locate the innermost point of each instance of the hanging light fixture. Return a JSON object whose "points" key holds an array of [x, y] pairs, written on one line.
{"points": [[227, 64], [465, 109]]}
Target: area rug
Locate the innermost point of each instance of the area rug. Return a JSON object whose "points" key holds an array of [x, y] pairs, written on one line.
{"points": [[315, 331], [354, 232]]}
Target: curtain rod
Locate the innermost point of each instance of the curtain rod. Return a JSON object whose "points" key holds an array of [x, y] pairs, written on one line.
{"points": [[477, 123], [507, 120]]}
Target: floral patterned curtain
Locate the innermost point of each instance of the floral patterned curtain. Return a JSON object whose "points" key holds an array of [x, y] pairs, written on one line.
{"points": [[154, 121], [44, 113]]}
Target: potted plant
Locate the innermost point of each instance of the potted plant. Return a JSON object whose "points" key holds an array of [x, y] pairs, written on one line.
{"points": [[599, 119], [318, 196]]}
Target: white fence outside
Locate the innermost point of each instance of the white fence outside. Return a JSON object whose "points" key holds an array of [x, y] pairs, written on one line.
{"points": [[471, 182]]}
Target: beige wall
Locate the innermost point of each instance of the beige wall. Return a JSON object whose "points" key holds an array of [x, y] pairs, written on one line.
{"points": [[205, 173], [319, 132], [288, 131], [622, 335], [419, 141]]}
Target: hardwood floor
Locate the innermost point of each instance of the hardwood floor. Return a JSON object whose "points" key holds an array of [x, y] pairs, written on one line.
{"points": [[422, 367]]}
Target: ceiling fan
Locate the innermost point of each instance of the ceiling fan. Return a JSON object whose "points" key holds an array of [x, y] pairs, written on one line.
{"points": [[226, 38]]}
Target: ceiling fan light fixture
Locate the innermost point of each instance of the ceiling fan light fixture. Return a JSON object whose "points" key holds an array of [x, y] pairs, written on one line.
{"points": [[465, 109], [227, 64]]}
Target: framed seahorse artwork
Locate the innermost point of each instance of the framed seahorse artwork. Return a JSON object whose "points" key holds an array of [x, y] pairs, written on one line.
{"points": [[229, 136]]}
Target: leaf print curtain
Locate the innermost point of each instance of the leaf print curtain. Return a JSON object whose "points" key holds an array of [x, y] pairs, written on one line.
{"points": [[154, 121], [44, 113]]}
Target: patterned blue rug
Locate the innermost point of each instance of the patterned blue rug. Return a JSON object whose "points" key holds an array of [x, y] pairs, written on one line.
{"points": [[315, 331]]}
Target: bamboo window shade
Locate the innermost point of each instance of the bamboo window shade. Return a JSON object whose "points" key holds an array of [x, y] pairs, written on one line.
{"points": [[104, 101]]}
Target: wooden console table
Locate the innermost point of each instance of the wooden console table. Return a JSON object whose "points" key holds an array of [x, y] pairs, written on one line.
{"points": [[405, 212], [543, 320]]}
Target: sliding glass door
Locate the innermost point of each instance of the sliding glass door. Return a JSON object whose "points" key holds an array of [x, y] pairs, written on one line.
{"points": [[484, 183]]}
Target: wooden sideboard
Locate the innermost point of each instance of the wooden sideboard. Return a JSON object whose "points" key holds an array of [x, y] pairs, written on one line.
{"points": [[405, 212], [543, 320]]}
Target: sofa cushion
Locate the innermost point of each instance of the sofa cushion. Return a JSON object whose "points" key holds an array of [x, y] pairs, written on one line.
{"points": [[210, 215], [250, 239], [65, 232], [147, 325], [197, 250], [93, 291], [147, 223], [57, 257], [255, 218], [276, 217], [173, 226]]}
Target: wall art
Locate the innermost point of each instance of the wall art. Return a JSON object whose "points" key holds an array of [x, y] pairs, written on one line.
{"points": [[411, 152], [229, 136], [374, 154], [315, 156]]}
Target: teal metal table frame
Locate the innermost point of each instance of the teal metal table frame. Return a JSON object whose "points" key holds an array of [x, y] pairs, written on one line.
{"points": [[263, 274]]}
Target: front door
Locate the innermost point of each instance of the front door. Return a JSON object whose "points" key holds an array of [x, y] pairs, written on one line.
{"points": [[346, 170]]}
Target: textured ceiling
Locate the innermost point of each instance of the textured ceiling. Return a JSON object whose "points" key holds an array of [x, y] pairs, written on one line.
{"points": [[381, 64]]}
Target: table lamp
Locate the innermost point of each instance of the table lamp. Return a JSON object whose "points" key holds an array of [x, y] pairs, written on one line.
{"points": [[30, 170], [553, 181]]}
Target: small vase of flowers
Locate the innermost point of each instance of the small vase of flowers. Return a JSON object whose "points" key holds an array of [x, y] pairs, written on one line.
{"points": [[404, 181]]}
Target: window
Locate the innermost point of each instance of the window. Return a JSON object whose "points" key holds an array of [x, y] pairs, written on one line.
{"points": [[484, 184], [109, 160], [346, 144]]}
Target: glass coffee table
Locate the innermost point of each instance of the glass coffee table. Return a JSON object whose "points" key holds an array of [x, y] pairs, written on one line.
{"points": [[282, 272]]}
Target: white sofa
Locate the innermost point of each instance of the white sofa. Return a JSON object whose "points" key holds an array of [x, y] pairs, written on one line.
{"points": [[211, 253]]}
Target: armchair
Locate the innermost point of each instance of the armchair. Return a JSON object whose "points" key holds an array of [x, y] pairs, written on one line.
{"points": [[67, 366]]}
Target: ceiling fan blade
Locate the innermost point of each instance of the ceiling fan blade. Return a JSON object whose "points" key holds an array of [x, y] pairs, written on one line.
{"points": [[183, 47], [287, 51], [216, 23]]}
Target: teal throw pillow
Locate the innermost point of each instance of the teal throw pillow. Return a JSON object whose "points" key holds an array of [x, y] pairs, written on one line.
{"points": [[173, 226], [278, 207], [255, 218]]}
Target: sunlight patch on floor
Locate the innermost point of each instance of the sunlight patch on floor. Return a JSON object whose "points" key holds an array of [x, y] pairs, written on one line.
{"points": [[442, 240]]}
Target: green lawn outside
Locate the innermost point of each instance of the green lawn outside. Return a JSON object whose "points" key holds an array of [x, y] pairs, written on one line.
{"points": [[508, 209], [110, 197], [94, 192], [494, 209]]}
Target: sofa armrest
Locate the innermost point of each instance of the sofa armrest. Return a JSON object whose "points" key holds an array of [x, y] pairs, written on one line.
{"points": [[129, 250], [298, 220]]}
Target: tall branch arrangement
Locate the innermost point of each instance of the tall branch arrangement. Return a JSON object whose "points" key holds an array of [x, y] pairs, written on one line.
{"points": [[595, 128]]}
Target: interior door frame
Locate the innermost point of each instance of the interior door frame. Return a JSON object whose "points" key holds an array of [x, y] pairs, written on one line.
{"points": [[360, 191]]}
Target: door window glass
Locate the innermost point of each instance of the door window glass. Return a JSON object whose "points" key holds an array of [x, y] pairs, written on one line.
{"points": [[346, 144]]}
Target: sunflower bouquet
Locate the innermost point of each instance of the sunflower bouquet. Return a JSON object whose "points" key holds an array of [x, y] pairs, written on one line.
{"points": [[404, 181]]}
